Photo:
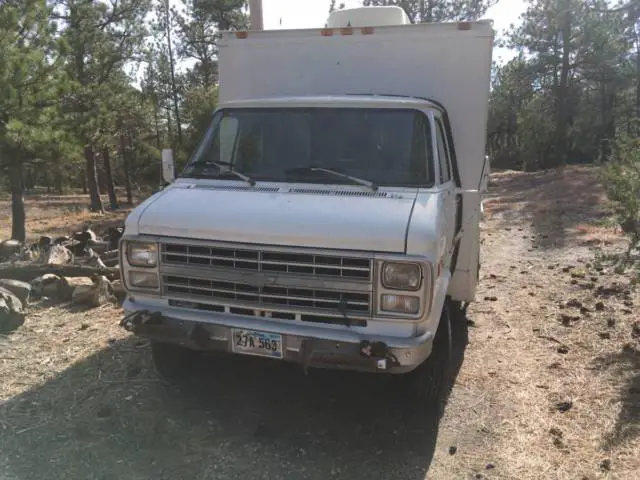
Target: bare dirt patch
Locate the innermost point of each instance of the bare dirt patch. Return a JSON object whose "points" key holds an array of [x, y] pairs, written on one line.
{"points": [[549, 387]]}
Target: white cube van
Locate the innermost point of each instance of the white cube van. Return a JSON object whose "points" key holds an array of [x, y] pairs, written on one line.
{"points": [[330, 214]]}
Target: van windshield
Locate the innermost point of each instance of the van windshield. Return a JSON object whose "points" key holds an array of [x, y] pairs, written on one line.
{"points": [[386, 147]]}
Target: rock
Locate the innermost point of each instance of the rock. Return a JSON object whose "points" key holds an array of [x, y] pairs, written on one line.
{"points": [[45, 241], [11, 311], [564, 406], [491, 299], [574, 302], [50, 286], [600, 307], [605, 465], [22, 290], [98, 293], [9, 248], [556, 432], [453, 450], [574, 281], [113, 237], [563, 349], [490, 466], [118, 290], [567, 320], [74, 283], [578, 274], [568, 268], [611, 322], [635, 329], [90, 258], [628, 303], [58, 255], [604, 335], [594, 279]]}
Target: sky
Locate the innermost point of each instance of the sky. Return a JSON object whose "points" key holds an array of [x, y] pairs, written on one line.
{"points": [[313, 14]]}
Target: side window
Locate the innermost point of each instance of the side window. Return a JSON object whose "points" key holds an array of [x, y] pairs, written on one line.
{"points": [[443, 153]]}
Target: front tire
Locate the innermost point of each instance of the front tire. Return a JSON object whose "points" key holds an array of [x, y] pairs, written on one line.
{"points": [[173, 362], [429, 381]]}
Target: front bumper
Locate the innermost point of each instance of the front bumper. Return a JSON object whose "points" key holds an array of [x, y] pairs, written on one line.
{"points": [[309, 345]]}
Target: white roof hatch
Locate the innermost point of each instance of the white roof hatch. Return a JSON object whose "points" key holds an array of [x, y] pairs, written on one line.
{"points": [[368, 17]]}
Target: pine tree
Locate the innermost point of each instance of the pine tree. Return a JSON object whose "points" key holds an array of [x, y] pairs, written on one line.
{"points": [[27, 88]]}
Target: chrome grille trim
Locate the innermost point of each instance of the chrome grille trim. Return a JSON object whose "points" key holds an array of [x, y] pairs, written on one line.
{"points": [[297, 299], [320, 265]]}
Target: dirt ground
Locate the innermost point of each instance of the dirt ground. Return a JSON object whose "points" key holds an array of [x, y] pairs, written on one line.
{"points": [[549, 384]]}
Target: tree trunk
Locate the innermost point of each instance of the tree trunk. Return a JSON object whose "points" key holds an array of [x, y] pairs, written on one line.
{"points": [[174, 88], [27, 271], [561, 114], [127, 168], [92, 180], [57, 179], [18, 217], [113, 199]]}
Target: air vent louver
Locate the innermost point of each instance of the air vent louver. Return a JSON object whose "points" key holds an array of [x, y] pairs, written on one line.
{"points": [[338, 193]]}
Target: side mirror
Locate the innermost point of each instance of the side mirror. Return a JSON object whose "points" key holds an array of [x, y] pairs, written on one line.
{"points": [[168, 170]]}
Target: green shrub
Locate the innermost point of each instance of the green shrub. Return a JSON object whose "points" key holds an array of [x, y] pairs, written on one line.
{"points": [[621, 178]]}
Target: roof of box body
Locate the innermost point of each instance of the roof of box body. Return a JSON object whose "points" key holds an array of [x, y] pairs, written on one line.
{"points": [[357, 101]]}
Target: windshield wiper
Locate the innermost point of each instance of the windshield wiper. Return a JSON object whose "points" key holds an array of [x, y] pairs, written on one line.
{"points": [[373, 186], [235, 173]]}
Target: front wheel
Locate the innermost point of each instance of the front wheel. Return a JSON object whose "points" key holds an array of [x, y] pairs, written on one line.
{"points": [[173, 362], [428, 382]]}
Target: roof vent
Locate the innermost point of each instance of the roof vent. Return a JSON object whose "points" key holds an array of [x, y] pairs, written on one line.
{"points": [[368, 17]]}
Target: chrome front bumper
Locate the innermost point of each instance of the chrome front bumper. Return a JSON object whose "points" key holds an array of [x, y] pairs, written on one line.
{"points": [[308, 345]]}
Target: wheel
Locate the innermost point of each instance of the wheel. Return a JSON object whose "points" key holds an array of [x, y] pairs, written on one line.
{"points": [[173, 362], [428, 382]]}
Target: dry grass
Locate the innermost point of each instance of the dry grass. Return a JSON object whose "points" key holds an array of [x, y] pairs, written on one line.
{"points": [[82, 401]]}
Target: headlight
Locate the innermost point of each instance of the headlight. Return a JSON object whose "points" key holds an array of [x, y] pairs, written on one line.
{"points": [[143, 279], [400, 304], [401, 276], [142, 254]]}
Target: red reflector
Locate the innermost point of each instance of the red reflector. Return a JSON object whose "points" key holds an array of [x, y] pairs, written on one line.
{"points": [[242, 34], [367, 30], [326, 32], [464, 26], [347, 31]]}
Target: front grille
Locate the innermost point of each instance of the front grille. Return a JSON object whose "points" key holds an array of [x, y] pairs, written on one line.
{"points": [[266, 296], [320, 265]]}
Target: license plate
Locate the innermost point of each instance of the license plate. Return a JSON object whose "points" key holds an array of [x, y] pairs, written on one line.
{"points": [[262, 344]]}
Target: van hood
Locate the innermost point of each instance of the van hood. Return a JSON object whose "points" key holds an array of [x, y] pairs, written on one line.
{"points": [[322, 217]]}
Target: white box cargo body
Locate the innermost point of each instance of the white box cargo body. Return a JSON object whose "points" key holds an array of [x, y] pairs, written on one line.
{"points": [[449, 63]]}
